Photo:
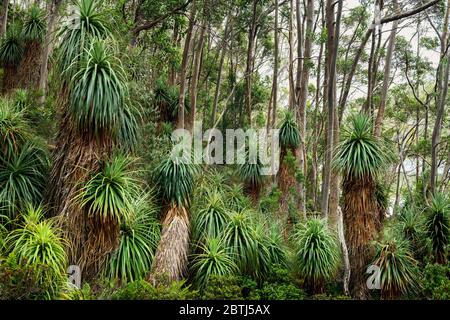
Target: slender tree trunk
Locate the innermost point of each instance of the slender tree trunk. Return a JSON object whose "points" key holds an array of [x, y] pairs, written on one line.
{"points": [[275, 69], [386, 78], [332, 45], [249, 65], [4, 18], [48, 46], [442, 87], [184, 64], [291, 57], [196, 73], [219, 75], [317, 125], [302, 99], [436, 137]]}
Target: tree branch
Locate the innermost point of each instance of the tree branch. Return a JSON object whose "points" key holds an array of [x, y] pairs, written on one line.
{"points": [[153, 23]]}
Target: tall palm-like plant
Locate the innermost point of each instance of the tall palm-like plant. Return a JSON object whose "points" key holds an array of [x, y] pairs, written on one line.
{"points": [[437, 226], [251, 174], [316, 253], [289, 140], [95, 117], [33, 33], [360, 158], [14, 129], [174, 179], [106, 200], [11, 53]]}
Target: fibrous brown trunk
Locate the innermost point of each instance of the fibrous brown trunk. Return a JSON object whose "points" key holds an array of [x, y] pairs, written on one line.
{"points": [[75, 157], [171, 255], [360, 217]]}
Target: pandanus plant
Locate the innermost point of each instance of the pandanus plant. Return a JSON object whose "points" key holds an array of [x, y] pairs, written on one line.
{"points": [[360, 158], [437, 227], [289, 141], [23, 163], [11, 53], [399, 272], [316, 253], [95, 117], [251, 172], [174, 178], [33, 35]]}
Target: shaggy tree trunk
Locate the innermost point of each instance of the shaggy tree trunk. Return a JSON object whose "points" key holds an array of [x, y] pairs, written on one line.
{"points": [[75, 157], [360, 218], [29, 68], [171, 256]]}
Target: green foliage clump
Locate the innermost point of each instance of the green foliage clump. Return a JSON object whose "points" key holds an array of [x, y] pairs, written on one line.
{"points": [[110, 192], [22, 178], [212, 260], [437, 282], [139, 236], [316, 252], [37, 244], [280, 285], [175, 180], [142, 290], [400, 274], [222, 288], [11, 46], [289, 132], [437, 225], [210, 217], [34, 25], [360, 154], [20, 280]]}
